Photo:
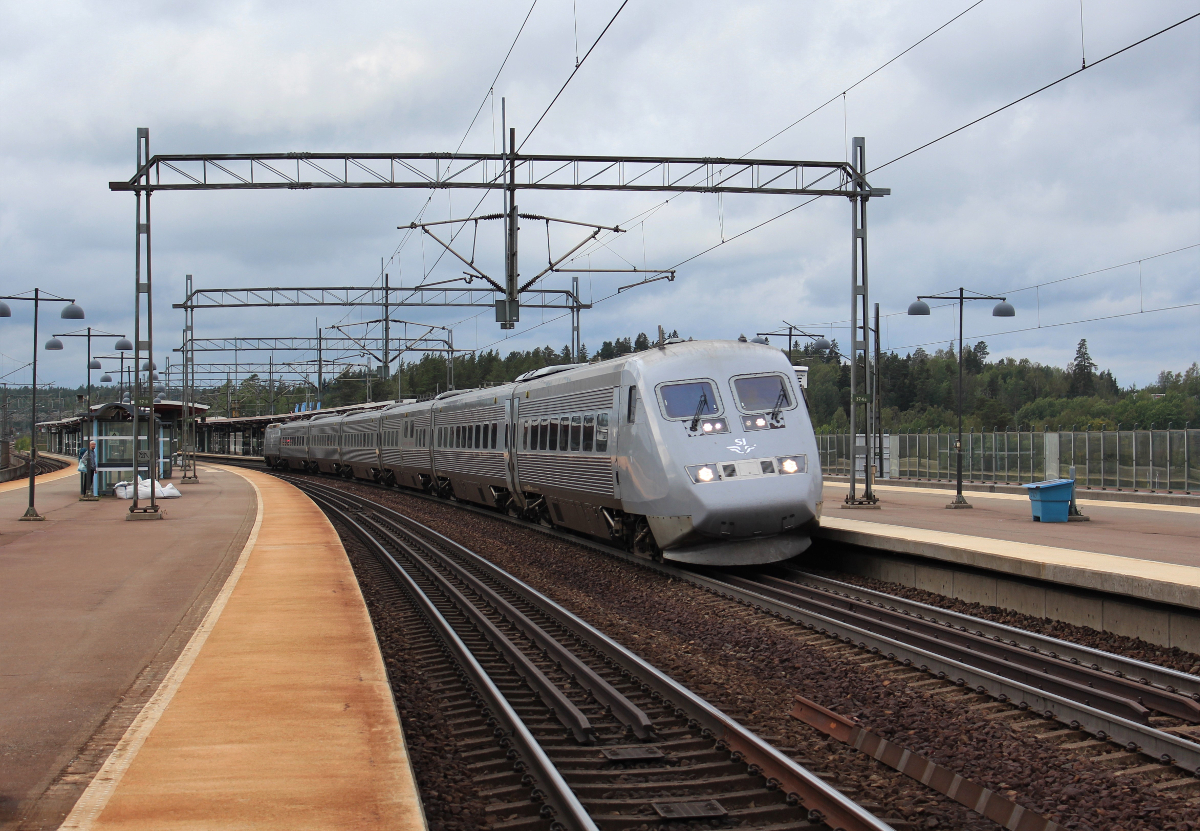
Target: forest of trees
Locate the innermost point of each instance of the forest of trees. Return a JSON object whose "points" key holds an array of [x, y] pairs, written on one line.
{"points": [[919, 390], [920, 393]]}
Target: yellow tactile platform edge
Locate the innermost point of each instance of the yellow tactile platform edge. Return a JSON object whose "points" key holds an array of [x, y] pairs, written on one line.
{"points": [[282, 716]]}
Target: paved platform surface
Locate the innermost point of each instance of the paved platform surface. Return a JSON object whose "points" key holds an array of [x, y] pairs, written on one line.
{"points": [[278, 714], [93, 610], [1163, 533], [1131, 552]]}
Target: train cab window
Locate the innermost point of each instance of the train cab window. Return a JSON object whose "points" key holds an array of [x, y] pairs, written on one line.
{"points": [[688, 399], [576, 431], [633, 400], [589, 432], [762, 393], [602, 433]]}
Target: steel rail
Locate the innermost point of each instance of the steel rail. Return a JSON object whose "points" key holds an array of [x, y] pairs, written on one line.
{"points": [[1081, 683], [1153, 742], [963, 642], [560, 705], [806, 788], [1105, 726], [1144, 673], [555, 791], [632, 716]]}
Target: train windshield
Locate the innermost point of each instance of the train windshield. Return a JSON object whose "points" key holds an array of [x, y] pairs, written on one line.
{"points": [[761, 393], [689, 399]]}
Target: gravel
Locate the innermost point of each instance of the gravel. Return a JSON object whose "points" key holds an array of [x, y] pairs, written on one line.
{"points": [[1166, 656], [449, 795], [751, 666]]}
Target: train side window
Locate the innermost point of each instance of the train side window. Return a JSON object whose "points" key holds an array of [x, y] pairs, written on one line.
{"points": [[576, 431], [478, 429], [495, 430], [552, 443], [543, 433], [602, 433], [589, 432], [525, 434], [633, 400]]}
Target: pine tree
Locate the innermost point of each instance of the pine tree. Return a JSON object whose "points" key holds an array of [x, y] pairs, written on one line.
{"points": [[641, 343], [1082, 371]]}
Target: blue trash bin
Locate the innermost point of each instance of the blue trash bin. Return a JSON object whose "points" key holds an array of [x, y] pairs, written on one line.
{"points": [[1051, 500]]}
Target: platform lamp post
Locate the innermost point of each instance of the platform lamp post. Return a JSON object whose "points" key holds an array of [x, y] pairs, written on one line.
{"points": [[1001, 309], [123, 345], [93, 363], [69, 312]]}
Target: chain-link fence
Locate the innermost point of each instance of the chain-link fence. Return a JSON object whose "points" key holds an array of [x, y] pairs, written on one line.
{"points": [[1154, 460]]}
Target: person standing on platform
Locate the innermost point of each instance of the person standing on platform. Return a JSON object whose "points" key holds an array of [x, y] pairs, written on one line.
{"points": [[87, 461]]}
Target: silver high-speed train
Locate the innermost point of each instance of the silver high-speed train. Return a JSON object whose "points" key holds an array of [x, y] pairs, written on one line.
{"points": [[699, 451]]}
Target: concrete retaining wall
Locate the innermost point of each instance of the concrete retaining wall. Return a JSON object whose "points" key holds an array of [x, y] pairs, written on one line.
{"points": [[1159, 623]]}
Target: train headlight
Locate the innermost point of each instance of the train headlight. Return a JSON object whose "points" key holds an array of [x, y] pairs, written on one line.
{"points": [[760, 422], [712, 425], [703, 474], [793, 464]]}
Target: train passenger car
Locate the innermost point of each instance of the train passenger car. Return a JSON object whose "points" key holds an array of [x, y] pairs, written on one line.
{"points": [[324, 454], [468, 445], [407, 456], [293, 446], [565, 451], [271, 447], [359, 441]]}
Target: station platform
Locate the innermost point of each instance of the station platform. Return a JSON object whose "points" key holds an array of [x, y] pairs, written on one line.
{"points": [[1133, 568], [52, 476], [214, 669]]}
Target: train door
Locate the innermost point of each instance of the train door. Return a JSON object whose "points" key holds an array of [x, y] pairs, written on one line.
{"points": [[511, 412]]}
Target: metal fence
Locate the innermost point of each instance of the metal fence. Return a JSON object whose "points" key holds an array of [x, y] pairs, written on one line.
{"points": [[1153, 460]]}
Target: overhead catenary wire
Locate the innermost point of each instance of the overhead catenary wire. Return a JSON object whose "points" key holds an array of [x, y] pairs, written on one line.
{"points": [[578, 65], [649, 212], [1064, 323], [957, 130], [1029, 95], [902, 156], [1033, 287]]}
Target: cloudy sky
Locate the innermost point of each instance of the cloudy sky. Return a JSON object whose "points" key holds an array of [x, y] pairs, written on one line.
{"points": [[1103, 170]]}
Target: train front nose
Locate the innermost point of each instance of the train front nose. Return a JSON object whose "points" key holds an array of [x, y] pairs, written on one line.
{"points": [[756, 507]]}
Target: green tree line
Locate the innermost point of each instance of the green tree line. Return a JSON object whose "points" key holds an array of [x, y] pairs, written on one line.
{"points": [[919, 390]]}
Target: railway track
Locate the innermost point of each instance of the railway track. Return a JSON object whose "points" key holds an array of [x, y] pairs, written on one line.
{"points": [[586, 734], [1126, 715]]}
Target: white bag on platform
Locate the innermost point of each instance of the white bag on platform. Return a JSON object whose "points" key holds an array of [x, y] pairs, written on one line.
{"points": [[123, 490], [160, 492]]}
